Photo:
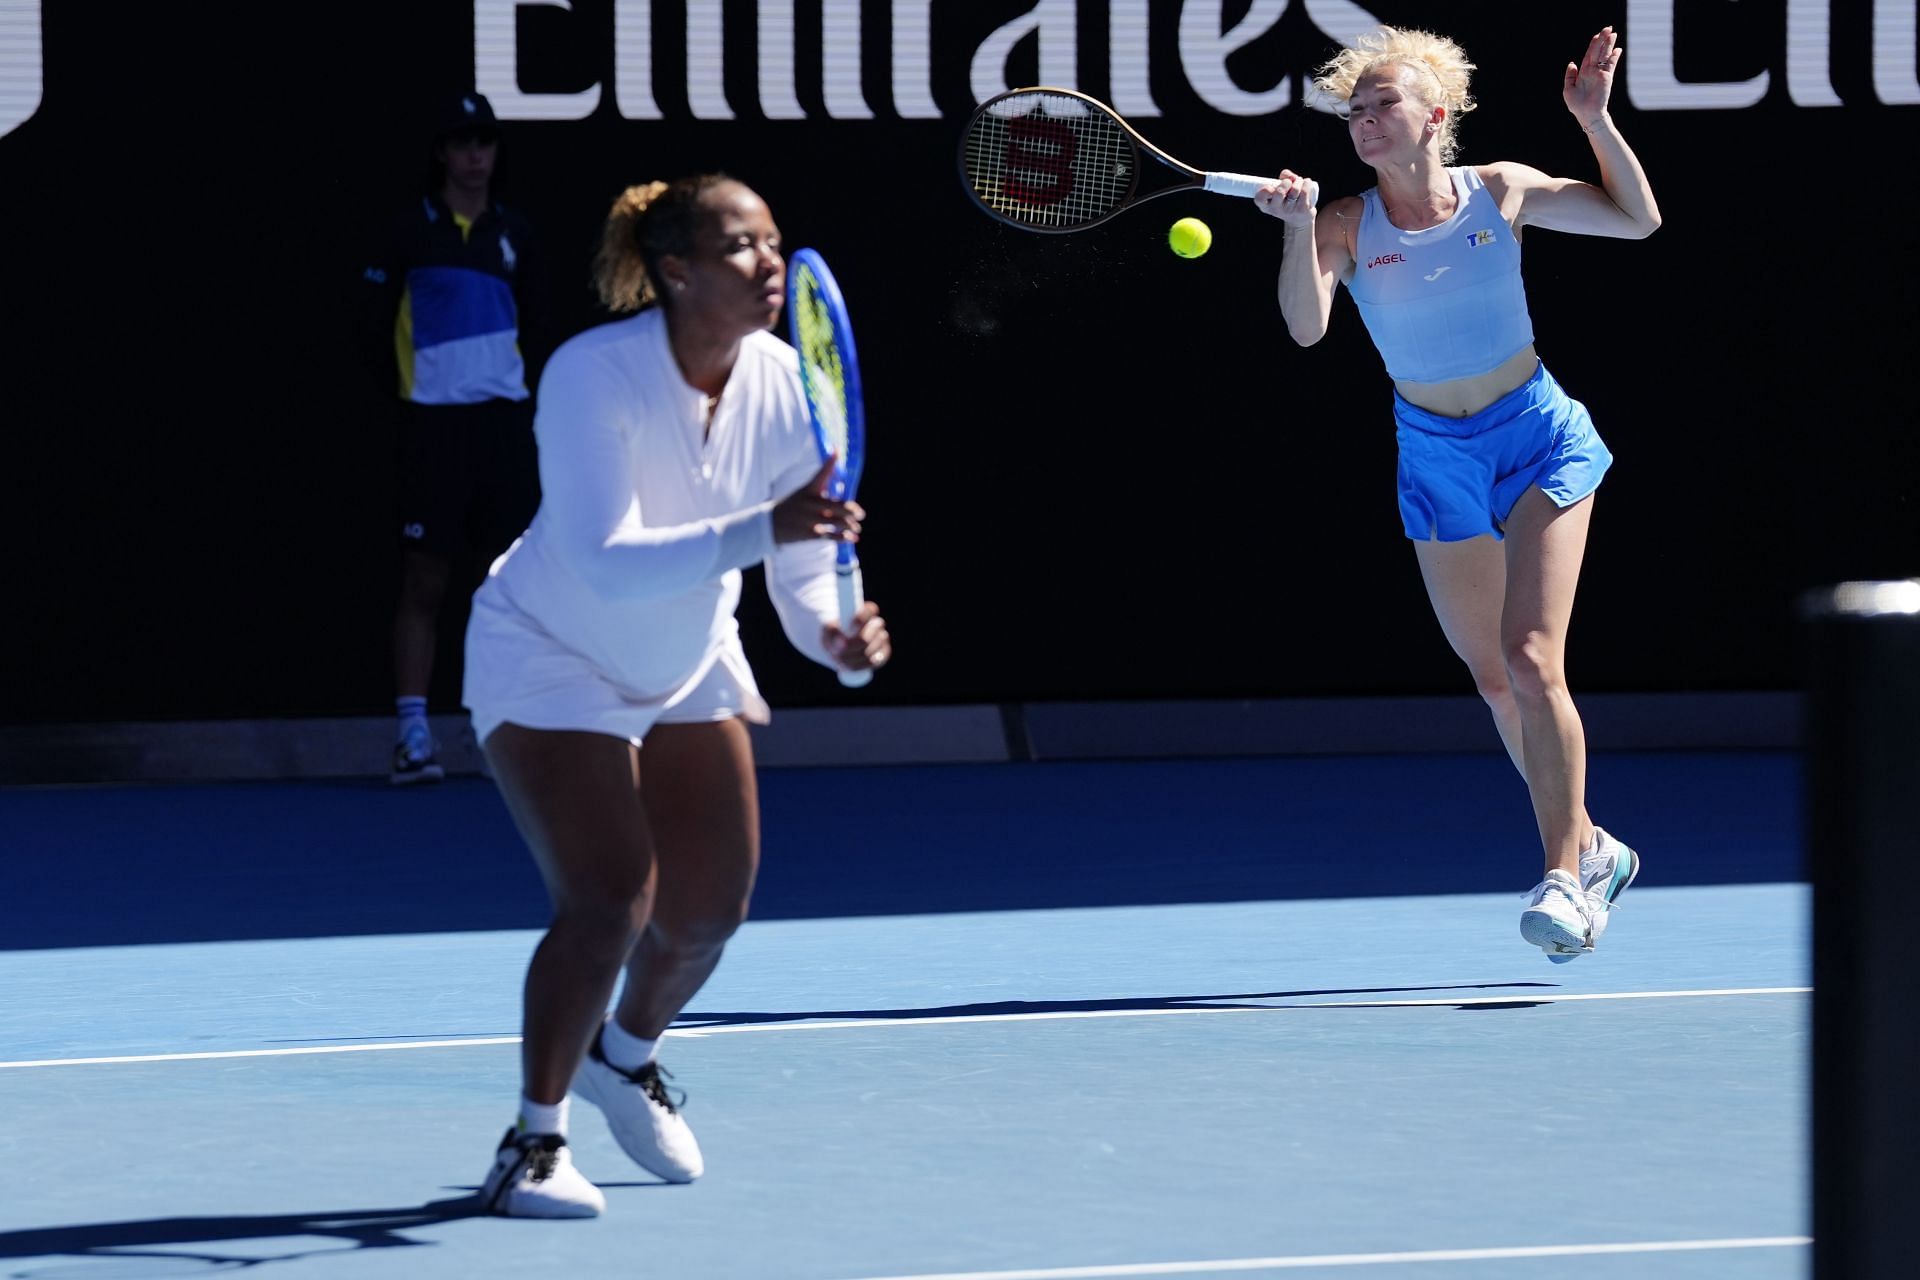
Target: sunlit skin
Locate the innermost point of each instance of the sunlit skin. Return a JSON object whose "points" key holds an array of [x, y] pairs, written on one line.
{"points": [[731, 284], [1504, 605], [1389, 125]]}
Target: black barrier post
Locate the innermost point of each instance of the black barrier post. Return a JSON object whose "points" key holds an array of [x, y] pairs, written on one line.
{"points": [[1863, 836]]}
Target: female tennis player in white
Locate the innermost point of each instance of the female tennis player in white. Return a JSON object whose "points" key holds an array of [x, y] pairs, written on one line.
{"points": [[1497, 465], [604, 669]]}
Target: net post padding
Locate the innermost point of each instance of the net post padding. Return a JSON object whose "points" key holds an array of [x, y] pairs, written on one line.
{"points": [[1862, 763]]}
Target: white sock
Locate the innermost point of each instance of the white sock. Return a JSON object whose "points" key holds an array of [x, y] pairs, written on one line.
{"points": [[1593, 846], [540, 1117], [624, 1049], [410, 711]]}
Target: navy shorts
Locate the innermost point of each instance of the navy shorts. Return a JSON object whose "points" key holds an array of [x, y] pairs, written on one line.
{"points": [[1459, 477], [469, 477]]}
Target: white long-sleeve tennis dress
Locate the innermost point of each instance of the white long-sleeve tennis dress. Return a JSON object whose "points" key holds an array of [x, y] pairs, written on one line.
{"points": [[615, 609]]}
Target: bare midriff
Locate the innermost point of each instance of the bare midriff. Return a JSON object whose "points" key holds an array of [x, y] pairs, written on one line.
{"points": [[1464, 397]]}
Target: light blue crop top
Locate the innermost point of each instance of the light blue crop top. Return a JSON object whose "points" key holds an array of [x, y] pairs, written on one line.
{"points": [[1446, 302]]}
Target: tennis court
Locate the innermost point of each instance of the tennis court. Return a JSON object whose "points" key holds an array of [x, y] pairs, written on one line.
{"points": [[1072, 1019]]}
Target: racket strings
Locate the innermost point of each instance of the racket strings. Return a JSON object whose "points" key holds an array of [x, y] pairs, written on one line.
{"points": [[1050, 162], [822, 374]]}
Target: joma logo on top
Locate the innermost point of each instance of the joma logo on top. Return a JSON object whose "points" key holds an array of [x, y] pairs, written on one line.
{"points": [[1205, 42]]}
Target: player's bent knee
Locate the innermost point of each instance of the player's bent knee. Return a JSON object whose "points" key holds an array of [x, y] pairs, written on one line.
{"points": [[611, 924], [701, 932]]}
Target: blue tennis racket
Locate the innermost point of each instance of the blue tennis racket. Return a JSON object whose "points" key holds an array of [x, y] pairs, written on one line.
{"points": [[830, 376]]}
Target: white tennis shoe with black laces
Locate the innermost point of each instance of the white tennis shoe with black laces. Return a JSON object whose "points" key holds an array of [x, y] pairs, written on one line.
{"points": [[533, 1177], [646, 1122]]}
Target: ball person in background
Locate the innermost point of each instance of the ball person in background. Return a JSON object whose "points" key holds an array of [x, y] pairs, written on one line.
{"points": [[1498, 466], [456, 322], [604, 668]]}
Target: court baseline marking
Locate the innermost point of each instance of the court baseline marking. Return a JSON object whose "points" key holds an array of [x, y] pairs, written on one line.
{"points": [[1300, 1261], [1528, 998]]}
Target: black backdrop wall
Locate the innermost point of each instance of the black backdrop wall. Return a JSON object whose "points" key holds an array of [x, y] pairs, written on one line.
{"points": [[1097, 470]]}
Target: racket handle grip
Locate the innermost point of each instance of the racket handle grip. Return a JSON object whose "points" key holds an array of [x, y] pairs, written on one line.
{"points": [[1246, 184], [847, 580]]}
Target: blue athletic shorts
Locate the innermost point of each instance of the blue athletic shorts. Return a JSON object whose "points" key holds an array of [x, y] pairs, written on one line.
{"points": [[1459, 477]]}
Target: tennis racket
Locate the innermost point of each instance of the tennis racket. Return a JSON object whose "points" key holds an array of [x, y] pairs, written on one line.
{"points": [[830, 376], [1055, 160]]}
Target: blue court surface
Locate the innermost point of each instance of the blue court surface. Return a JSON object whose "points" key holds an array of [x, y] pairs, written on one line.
{"points": [[1152, 1018]]}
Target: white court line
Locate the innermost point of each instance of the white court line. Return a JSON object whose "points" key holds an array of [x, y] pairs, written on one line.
{"points": [[1297, 1262], [1520, 997]]}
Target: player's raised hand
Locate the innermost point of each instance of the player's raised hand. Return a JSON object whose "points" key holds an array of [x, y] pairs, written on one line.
{"points": [[1589, 83], [865, 646], [808, 513], [1289, 197]]}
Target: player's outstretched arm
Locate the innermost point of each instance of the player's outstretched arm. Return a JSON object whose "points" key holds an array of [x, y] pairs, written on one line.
{"points": [[1622, 205]]}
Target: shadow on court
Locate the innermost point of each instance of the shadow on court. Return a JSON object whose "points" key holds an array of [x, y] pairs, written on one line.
{"points": [[695, 1021], [144, 1243], [102, 866]]}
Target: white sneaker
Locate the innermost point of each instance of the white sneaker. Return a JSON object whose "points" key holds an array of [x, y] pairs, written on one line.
{"points": [[533, 1177], [414, 760], [1605, 874], [1558, 918], [645, 1121]]}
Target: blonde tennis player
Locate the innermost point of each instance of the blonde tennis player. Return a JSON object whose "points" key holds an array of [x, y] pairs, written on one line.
{"points": [[1498, 466], [604, 668]]}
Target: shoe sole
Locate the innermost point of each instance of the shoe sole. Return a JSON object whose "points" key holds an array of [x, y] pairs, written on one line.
{"points": [[583, 1084], [1543, 931], [433, 774]]}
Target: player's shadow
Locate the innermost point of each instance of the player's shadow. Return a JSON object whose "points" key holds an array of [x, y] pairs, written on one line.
{"points": [[697, 1021], [149, 1238], [147, 1242]]}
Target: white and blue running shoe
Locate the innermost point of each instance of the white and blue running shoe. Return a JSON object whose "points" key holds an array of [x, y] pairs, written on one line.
{"points": [[1559, 917], [1605, 874]]}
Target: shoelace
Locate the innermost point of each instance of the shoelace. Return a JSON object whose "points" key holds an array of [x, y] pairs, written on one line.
{"points": [[1538, 894], [542, 1152], [650, 1082], [647, 1078], [1585, 902]]}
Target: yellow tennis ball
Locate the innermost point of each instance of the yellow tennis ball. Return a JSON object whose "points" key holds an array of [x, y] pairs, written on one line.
{"points": [[1190, 237]]}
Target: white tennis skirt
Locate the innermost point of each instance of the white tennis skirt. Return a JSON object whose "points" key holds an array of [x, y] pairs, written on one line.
{"points": [[518, 674]]}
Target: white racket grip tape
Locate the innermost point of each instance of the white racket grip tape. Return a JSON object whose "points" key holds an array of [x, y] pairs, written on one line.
{"points": [[847, 579], [1246, 185]]}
